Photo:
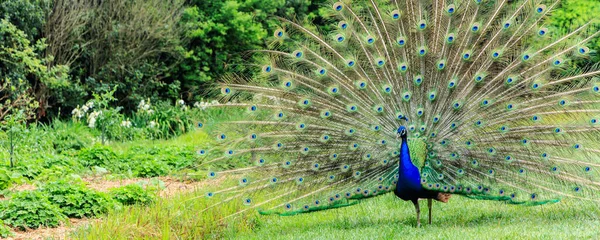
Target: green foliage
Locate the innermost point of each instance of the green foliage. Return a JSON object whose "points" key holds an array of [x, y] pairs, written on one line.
{"points": [[133, 194], [21, 62], [126, 43], [31, 209], [76, 200], [27, 15], [97, 155], [573, 14], [5, 179], [68, 137], [5, 231], [149, 166], [210, 26], [172, 121]]}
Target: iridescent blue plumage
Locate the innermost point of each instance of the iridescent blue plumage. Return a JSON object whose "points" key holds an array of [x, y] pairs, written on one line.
{"points": [[408, 185], [409, 179]]}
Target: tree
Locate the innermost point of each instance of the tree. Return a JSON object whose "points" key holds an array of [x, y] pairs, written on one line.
{"points": [[21, 66], [127, 43], [221, 32]]}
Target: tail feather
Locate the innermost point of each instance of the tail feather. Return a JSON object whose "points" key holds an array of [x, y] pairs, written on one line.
{"points": [[490, 90]]}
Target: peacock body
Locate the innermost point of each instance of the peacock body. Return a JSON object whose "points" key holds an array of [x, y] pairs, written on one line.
{"points": [[422, 98]]}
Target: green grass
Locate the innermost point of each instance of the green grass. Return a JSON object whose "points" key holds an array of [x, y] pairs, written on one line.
{"points": [[383, 217], [387, 217]]}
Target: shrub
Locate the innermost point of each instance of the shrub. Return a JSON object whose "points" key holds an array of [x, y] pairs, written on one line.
{"points": [[31, 209], [133, 194], [76, 200], [5, 231], [70, 136], [5, 180], [151, 168], [97, 155]]}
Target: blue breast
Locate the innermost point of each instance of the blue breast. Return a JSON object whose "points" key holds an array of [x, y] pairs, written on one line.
{"points": [[409, 179]]}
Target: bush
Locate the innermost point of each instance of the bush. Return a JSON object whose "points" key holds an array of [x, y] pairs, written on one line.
{"points": [[5, 180], [147, 166], [70, 136], [97, 155], [31, 209], [5, 231], [175, 156], [133, 194], [76, 200]]}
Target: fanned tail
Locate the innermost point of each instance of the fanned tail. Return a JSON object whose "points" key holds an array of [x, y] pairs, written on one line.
{"points": [[496, 110]]}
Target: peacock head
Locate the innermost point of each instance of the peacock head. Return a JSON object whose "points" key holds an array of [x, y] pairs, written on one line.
{"points": [[402, 132]]}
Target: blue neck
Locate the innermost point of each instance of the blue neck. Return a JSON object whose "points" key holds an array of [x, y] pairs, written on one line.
{"points": [[409, 178]]}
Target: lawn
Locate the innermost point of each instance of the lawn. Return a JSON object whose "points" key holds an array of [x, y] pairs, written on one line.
{"points": [[383, 217]]}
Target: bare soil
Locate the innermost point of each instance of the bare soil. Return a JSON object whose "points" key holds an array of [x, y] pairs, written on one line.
{"points": [[172, 186]]}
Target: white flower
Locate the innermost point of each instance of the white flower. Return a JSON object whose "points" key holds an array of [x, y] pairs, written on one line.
{"points": [[150, 111], [92, 122], [214, 102], [84, 108], [197, 104], [152, 124], [75, 112], [181, 102], [90, 104], [142, 104], [126, 124]]}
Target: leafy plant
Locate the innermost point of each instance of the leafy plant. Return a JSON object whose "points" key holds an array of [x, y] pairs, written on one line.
{"points": [[69, 136], [5, 231], [31, 209], [76, 200], [133, 194], [14, 124], [147, 166], [5, 180], [97, 155]]}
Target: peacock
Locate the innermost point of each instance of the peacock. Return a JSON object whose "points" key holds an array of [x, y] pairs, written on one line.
{"points": [[420, 98]]}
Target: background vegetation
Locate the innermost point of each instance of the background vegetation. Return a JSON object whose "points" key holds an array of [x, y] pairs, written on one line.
{"points": [[113, 89], [55, 54]]}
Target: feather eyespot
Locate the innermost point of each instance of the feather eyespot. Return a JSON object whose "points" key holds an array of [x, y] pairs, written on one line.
{"points": [[267, 69], [540, 9], [451, 9], [350, 63], [450, 38], [395, 14], [338, 6], [278, 33]]}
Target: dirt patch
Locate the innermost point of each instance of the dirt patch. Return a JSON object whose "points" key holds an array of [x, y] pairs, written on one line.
{"points": [[60, 232], [172, 186]]}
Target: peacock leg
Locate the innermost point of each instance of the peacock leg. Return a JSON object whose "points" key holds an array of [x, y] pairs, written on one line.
{"points": [[416, 203], [429, 203]]}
